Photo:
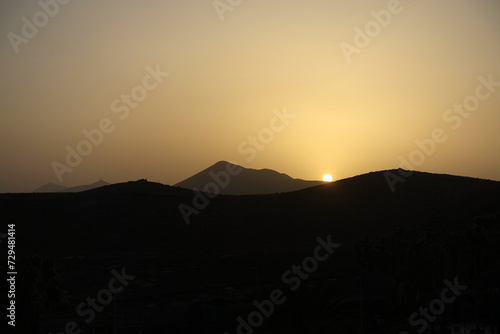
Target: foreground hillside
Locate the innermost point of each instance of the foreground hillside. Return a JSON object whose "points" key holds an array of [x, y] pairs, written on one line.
{"points": [[123, 216], [247, 242]]}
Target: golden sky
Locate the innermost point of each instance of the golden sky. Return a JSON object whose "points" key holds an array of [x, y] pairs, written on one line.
{"points": [[360, 80]]}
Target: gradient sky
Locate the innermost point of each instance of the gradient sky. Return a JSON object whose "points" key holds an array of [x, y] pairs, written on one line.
{"points": [[227, 77]]}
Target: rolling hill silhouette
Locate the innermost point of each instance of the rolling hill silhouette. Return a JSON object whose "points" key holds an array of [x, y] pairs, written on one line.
{"points": [[235, 239], [247, 182], [55, 188], [50, 188], [355, 207], [98, 184]]}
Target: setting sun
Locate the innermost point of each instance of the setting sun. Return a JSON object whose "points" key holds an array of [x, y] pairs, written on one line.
{"points": [[327, 178]]}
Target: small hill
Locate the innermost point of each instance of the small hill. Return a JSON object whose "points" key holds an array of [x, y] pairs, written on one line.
{"points": [[139, 187], [50, 188], [85, 187], [247, 182], [57, 188]]}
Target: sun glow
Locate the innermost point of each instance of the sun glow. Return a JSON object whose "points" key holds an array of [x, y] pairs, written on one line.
{"points": [[327, 178]]}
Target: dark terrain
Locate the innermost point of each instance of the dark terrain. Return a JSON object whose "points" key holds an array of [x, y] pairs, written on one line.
{"points": [[396, 250], [248, 181]]}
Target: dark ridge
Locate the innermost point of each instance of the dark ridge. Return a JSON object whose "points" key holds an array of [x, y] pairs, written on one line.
{"points": [[247, 182]]}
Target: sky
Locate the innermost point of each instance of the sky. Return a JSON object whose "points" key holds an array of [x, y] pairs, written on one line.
{"points": [[129, 89]]}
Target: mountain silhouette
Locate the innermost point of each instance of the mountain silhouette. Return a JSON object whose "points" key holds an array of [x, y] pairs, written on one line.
{"points": [[98, 184], [432, 227], [247, 182], [56, 188], [50, 188], [360, 206]]}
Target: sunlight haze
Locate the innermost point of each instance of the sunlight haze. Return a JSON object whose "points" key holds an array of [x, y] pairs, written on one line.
{"points": [[212, 83]]}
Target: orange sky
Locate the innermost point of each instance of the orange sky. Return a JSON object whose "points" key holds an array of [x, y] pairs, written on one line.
{"points": [[356, 102]]}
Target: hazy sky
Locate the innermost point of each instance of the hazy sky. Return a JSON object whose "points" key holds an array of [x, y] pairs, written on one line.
{"points": [[356, 103]]}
